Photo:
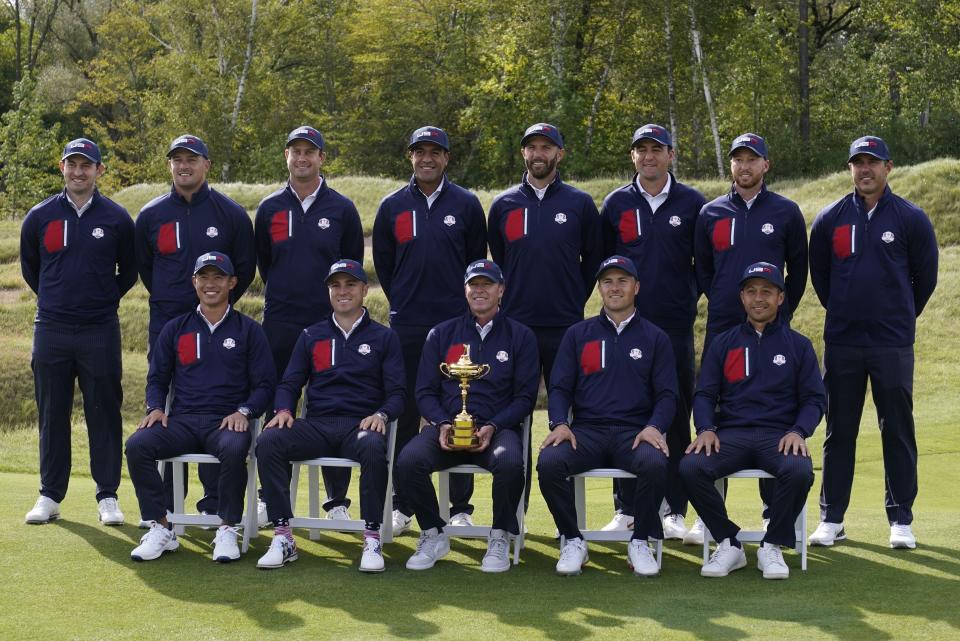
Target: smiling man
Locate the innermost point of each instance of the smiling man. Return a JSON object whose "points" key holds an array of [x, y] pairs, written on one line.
{"points": [[759, 397], [873, 262], [76, 254]]}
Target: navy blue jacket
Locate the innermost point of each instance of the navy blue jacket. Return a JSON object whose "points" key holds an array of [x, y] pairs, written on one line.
{"points": [[730, 238], [295, 250], [625, 380], [661, 246], [171, 233], [502, 398], [212, 373], [751, 381], [345, 378], [549, 251], [79, 267], [874, 278], [420, 253]]}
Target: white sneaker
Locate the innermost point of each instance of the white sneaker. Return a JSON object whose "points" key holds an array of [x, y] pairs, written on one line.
{"points": [[44, 511], [155, 542], [573, 556], [109, 511], [827, 533], [263, 520], [280, 552], [674, 527], [461, 519], [145, 525], [640, 558], [433, 545], [225, 547], [339, 513], [372, 559], [724, 560], [401, 522], [619, 523], [694, 535], [770, 562], [901, 536], [497, 558]]}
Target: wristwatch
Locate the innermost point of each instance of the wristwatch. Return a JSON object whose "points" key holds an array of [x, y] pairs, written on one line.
{"points": [[243, 409]]}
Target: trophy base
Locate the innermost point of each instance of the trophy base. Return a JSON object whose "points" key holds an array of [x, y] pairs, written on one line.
{"points": [[463, 435]]}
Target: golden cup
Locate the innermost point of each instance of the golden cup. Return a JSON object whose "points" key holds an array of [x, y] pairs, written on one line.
{"points": [[463, 435]]}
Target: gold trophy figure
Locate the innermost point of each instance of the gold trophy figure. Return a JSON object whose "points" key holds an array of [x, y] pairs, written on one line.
{"points": [[463, 436]]}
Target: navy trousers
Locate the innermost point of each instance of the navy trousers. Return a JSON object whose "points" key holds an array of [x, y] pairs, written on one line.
{"points": [[423, 456], [188, 434], [890, 371], [313, 438], [746, 448], [604, 446], [91, 355]]}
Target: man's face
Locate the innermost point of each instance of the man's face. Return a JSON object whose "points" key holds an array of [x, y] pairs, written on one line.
{"points": [[188, 170], [80, 174], [346, 293], [651, 159], [304, 161], [869, 174], [213, 286], [747, 168], [483, 295], [429, 161], [761, 299], [541, 156], [618, 290]]}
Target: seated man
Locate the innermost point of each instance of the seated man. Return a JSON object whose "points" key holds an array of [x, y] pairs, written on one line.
{"points": [[616, 371], [760, 395], [498, 402], [223, 375], [353, 369]]}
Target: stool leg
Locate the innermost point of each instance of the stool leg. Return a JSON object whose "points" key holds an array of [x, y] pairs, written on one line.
{"points": [[580, 501], [178, 498], [443, 494], [314, 485]]}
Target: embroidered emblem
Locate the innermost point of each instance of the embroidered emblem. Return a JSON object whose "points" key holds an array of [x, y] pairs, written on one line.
{"points": [[97, 232], [887, 237], [767, 229], [323, 223], [502, 356], [560, 218], [674, 221], [449, 221], [636, 354], [364, 349], [779, 359], [212, 232], [229, 343]]}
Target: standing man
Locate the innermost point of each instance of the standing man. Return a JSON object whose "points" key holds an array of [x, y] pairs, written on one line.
{"points": [[171, 231], [748, 224], [424, 236], [300, 231], [652, 221], [873, 260], [76, 254]]}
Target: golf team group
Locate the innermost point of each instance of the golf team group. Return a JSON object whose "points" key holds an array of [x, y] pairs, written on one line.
{"points": [[508, 288]]}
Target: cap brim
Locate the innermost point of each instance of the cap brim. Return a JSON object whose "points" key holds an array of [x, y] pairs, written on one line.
{"points": [[731, 152], [184, 148], [866, 153], [309, 140], [80, 153]]}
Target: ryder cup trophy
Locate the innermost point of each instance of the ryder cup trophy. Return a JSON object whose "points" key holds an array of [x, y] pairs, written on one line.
{"points": [[463, 436]]}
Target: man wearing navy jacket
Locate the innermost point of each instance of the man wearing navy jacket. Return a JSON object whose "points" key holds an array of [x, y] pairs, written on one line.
{"points": [[616, 373], [171, 231], [353, 369], [424, 236], [652, 220], [760, 396], [873, 261], [498, 402], [223, 375], [76, 254], [300, 231]]}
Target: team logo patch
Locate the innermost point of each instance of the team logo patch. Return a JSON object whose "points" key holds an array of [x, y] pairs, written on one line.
{"points": [[97, 232], [502, 356], [779, 359], [323, 223], [636, 354], [364, 349], [229, 343], [887, 237], [767, 229], [674, 221], [212, 232], [560, 218], [449, 221]]}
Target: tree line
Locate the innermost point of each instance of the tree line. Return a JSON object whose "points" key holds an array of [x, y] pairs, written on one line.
{"points": [[808, 75]]}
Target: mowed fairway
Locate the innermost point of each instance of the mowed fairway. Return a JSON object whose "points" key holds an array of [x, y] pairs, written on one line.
{"points": [[74, 579]]}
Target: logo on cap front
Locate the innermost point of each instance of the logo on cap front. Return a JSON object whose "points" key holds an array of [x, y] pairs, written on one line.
{"points": [[340, 265], [502, 356], [560, 218], [760, 269], [674, 221], [79, 145], [867, 143], [779, 359], [636, 354], [97, 232], [364, 349], [449, 221], [303, 132], [229, 343], [767, 229], [887, 237], [212, 232], [323, 223]]}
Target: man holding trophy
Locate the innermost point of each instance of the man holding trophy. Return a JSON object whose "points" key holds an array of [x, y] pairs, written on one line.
{"points": [[477, 381]]}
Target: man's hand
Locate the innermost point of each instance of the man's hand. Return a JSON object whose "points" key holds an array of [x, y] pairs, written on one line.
{"points": [[375, 423], [153, 417], [281, 419], [444, 433], [793, 443], [651, 435], [706, 440], [560, 433], [236, 422], [485, 434]]}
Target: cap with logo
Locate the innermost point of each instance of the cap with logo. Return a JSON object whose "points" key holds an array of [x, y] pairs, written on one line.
{"points": [[349, 267], [214, 259], [542, 129], [617, 262], [189, 143], [436, 135], [309, 134], [753, 142], [83, 147], [484, 267], [766, 271], [870, 145], [652, 132]]}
